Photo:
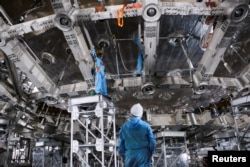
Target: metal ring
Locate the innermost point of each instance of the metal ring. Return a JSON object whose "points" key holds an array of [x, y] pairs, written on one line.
{"points": [[151, 13], [202, 88], [148, 89], [239, 13], [63, 22]]}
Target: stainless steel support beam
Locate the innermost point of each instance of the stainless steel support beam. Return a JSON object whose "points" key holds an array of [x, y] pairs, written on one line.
{"points": [[15, 79], [170, 134], [151, 15], [44, 23], [5, 95], [82, 100], [212, 55], [72, 89], [166, 8], [179, 82], [244, 76], [241, 101], [65, 21], [80, 51], [61, 5], [190, 8], [23, 60], [151, 34]]}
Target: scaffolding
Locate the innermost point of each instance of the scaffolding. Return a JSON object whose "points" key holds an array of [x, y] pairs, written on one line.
{"points": [[93, 132], [171, 153]]}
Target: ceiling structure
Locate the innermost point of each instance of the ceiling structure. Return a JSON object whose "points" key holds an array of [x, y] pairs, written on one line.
{"points": [[195, 61]]}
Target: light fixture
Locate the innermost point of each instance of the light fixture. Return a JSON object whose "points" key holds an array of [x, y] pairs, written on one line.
{"points": [[63, 22], [148, 89]]}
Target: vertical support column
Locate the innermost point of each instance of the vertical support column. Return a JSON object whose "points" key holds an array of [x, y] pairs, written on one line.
{"points": [[87, 140], [100, 141], [74, 115], [235, 111], [114, 137], [71, 140], [102, 130], [164, 152], [151, 15]]}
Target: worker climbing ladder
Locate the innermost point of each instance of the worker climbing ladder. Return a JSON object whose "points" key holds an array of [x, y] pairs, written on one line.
{"points": [[93, 132]]}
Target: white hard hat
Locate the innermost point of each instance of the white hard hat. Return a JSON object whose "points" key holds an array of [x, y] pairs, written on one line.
{"points": [[136, 110]]}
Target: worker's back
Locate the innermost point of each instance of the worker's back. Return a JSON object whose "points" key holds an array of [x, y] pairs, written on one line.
{"points": [[135, 131], [136, 143]]}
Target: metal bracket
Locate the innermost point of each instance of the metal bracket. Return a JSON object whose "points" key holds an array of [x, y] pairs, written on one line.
{"points": [[75, 146]]}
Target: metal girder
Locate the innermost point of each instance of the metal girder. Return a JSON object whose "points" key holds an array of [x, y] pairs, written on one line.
{"points": [[230, 83], [5, 95], [82, 88], [72, 89], [244, 76], [90, 14], [65, 21], [86, 14], [174, 82], [190, 8], [44, 23], [170, 134], [14, 76], [151, 15], [187, 120], [230, 134], [80, 51], [241, 101], [88, 99], [23, 60], [61, 5], [131, 82], [178, 82], [166, 8], [135, 83], [212, 55], [151, 38]]}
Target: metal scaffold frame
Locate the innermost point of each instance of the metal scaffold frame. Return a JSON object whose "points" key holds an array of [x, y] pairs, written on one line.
{"points": [[163, 136], [96, 124]]}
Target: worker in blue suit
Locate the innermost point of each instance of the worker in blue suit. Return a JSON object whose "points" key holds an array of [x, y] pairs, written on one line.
{"points": [[100, 79], [136, 143], [139, 56]]}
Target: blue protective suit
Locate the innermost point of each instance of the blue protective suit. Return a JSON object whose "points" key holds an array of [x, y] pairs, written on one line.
{"points": [[136, 143], [139, 57], [139, 64], [100, 80]]}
